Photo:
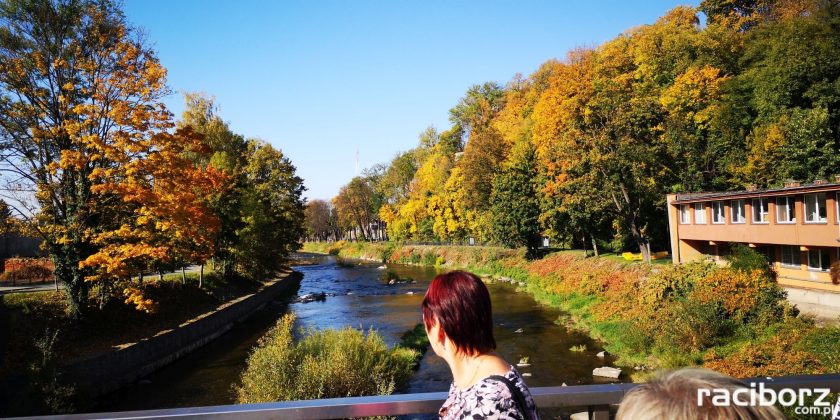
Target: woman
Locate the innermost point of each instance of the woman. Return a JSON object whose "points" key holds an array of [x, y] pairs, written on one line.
{"points": [[459, 323]]}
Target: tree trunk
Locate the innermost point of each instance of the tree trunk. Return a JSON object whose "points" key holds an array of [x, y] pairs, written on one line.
{"points": [[640, 240], [160, 275], [66, 262], [140, 278], [585, 251], [594, 246], [201, 276], [183, 275]]}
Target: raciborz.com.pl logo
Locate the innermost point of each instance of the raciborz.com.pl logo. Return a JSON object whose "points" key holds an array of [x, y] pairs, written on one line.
{"points": [[804, 400]]}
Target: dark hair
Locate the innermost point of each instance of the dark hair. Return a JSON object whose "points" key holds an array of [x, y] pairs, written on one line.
{"points": [[461, 304]]}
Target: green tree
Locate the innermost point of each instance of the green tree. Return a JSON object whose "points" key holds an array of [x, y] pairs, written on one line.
{"points": [[274, 212], [515, 207]]}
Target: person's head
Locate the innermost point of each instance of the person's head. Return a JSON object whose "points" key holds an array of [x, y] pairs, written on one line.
{"points": [[457, 313], [677, 395]]}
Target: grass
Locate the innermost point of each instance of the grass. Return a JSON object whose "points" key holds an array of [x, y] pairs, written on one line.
{"points": [[323, 364], [417, 340]]}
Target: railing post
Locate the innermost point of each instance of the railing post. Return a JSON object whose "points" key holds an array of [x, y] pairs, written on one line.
{"points": [[599, 412]]}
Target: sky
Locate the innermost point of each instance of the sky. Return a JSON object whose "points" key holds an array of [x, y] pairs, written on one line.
{"points": [[321, 80]]}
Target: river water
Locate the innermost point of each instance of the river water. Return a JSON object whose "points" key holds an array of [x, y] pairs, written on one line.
{"points": [[359, 296]]}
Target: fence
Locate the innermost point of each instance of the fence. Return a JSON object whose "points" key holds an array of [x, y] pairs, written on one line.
{"points": [[598, 400]]}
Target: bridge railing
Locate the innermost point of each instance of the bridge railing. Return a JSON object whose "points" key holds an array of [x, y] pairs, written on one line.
{"points": [[595, 399]]}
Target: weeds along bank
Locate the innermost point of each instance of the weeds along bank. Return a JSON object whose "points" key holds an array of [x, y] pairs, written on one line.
{"points": [[327, 363], [734, 320]]}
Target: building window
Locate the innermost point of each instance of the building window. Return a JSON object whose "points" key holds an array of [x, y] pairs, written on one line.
{"points": [[685, 214], [837, 207], [760, 210], [790, 256], [815, 211], [786, 209], [700, 213], [718, 215], [819, 259], [737, 209]]}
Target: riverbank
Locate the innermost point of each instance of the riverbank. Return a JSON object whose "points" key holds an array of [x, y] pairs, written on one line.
{"points": [[649, 317], [120, 344]]}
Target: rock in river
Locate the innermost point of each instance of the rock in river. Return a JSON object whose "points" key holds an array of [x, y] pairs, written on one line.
{"points": [[607, 372]]}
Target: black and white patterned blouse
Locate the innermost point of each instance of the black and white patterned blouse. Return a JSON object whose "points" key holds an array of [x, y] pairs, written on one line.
{"points": [[488, 399]]}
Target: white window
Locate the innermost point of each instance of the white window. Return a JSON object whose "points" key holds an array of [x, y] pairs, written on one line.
{"points": [[815, 211], [819, 259], [685, 214], [760, 210], [718, 215], [737, 209], [785, 209], [790, 256], [837, 208], [700, 213]]}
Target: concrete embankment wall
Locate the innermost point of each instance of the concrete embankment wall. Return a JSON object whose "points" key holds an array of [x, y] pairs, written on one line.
{"points": [[110, 371]]}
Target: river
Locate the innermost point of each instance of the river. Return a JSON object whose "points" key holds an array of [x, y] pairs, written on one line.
{"points": [[358, 296]]}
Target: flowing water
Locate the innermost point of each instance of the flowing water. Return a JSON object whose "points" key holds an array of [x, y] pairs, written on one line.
{"points": [[359, 296]]}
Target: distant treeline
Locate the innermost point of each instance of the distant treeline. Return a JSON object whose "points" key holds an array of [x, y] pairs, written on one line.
{"points": [[585, 149]]}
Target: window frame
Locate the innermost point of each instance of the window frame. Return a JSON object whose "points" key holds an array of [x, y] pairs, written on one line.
{"points": [[685, 210], [701, 211], [820, 252], [837, 211], [743, 207], [722, 212], [790, 204], [766, 213], [795, 250], [820, 220]]}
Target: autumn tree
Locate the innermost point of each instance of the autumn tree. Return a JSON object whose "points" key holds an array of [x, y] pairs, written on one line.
{"points": [[317, 214], [227, 153], [80, 112], [356, 207]]}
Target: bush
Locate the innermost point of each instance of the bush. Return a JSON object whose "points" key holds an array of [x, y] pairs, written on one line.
{"points": [[429, 258], [29, 272], [690, 325], [776, 356], [323, 364], [745, 259]]}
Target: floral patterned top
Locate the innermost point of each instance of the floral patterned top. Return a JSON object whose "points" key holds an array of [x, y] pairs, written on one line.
{"points": [[488, 399]]}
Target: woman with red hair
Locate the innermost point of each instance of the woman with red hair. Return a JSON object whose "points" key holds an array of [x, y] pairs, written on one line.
{"points": [[459, 323]]}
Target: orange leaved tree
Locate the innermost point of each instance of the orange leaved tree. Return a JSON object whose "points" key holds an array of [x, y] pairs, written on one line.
{"points": [[87, 149]]}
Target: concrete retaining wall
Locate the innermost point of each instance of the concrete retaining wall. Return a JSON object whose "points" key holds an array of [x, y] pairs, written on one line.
{"points": [[110, 371]]}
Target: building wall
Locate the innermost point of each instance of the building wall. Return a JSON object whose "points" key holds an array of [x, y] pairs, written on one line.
{"points": [[808, 234], [691, 242]]}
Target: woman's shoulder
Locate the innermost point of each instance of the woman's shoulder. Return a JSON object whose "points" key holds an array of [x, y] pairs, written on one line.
{"points": [[495, 386]]}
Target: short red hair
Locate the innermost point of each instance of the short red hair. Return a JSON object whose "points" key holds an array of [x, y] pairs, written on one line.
{"points": [[460, 303]]}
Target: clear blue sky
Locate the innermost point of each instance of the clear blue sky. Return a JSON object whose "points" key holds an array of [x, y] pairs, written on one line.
{"points": [[321, 79]]}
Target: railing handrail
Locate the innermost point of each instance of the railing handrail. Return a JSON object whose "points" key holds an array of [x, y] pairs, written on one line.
{"points": [[597, 398]]}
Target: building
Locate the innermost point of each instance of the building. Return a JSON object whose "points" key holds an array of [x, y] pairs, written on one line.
{"points": [[795, 226]]}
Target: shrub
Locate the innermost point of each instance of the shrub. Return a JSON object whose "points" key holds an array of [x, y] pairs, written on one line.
{"points": [[27, 271], [745, 259], [322, 364], [429, 258], [673, 282], [776, 356], [743, 294], [690, 325]]}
